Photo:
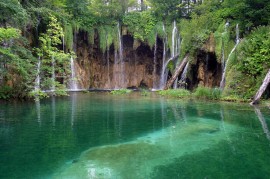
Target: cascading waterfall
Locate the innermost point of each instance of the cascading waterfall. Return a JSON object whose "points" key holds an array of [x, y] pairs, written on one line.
{"points": [[53, 74], [108, 65], [175, 50], [176, 42], [115, 67], [73, 83], [122, 63], [119, 64], [164, 72], [237, 34], [155, 86], [223, 50], [184, 77], [37, 80], [237, 40]]}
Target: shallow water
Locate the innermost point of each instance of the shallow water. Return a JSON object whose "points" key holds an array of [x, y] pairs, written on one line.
{"points": [[97, 135]]}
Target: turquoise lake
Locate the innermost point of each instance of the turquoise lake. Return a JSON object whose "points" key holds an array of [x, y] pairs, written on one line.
{"points": [[98, 135]]}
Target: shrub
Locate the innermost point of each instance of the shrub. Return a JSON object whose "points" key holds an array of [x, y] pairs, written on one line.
{"points": [[207, 93], [121, 91], [5, 92], [179, 93], [145, 92]]}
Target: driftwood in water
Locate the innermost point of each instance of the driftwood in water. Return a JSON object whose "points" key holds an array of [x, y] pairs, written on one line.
{"points": [[263, 87], [177, 72]]}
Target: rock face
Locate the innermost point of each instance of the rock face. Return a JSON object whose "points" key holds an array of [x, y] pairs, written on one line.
{"points": [[105, 70], [98, 70], [205, 69]]}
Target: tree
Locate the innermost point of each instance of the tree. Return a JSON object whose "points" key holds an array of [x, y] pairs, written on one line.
{"points": [[53, 60], [12, 14]]}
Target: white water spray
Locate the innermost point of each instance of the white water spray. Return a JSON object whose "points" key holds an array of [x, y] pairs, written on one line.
{"points": [[184, 77], [37, 80], [73, 83], [53, 74], [237, 40]]}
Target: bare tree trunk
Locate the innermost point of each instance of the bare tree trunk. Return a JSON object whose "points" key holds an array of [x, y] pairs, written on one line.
{"points": [[263, 87], [177, 72]]}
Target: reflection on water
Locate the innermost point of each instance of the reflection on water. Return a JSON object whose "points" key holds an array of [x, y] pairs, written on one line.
{"points": [[73, 108], [263, 122], [53, 110], [38, 110], [104, 136]]}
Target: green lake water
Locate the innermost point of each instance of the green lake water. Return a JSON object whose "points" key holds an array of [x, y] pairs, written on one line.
{"points": [[97, 135]]}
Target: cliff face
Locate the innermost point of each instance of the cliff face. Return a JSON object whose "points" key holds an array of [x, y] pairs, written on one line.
{"points": [[98, 70], [205, 70], [95, 69]]}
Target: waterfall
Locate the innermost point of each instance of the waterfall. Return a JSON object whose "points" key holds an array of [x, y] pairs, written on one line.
{"points": [[53, 74], [115, 70], [121, 59], [176, 42], [119, 64], [108, 66], [73, 83], [155, 66], [237, 40], [164, 72], [183, 78], [37, 80], [174, 31]]}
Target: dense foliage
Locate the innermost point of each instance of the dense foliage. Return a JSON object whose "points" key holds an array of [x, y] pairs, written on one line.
{"points": [[46, 29]]}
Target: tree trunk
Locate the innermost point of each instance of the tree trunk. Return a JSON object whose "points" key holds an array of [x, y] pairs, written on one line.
{"points": [[263, 87], [176, 73]]}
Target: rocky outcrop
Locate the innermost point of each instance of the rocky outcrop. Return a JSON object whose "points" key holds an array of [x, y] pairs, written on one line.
{"points": [[205, 69], [103, 70], [95, 69]]}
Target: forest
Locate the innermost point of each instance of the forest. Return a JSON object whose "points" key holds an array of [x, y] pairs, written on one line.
{"points": [[40, 41]]}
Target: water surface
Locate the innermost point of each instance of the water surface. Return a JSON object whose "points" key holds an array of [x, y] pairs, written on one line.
{"points": [[97, 135]]}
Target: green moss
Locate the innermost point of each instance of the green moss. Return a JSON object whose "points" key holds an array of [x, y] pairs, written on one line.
{"points": [[68, 36]]}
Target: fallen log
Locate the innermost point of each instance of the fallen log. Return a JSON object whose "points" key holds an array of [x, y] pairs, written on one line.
{"points": [[177, 72], [263, 87]]}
